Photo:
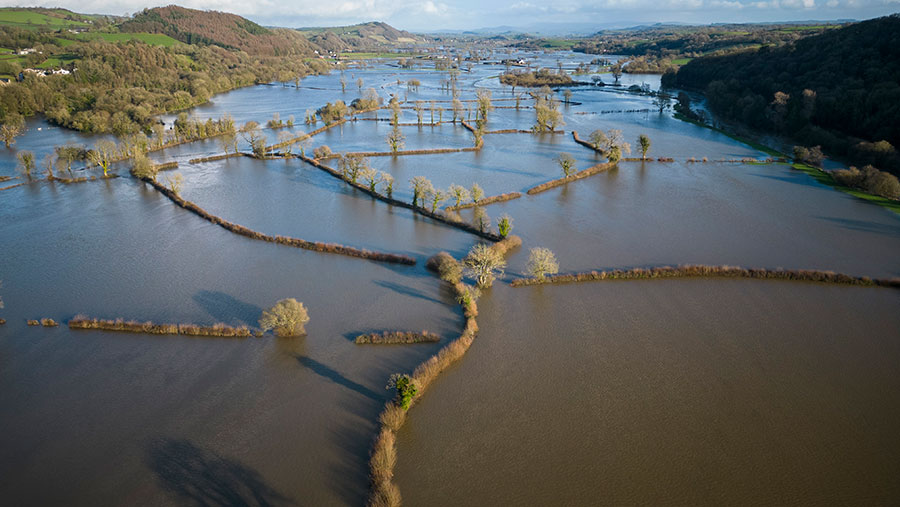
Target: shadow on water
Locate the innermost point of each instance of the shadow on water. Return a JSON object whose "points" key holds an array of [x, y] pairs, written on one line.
{"points": [[225, 308], [201, 477], [407, 291], [864, 226], [801, 179], [336, 377]]}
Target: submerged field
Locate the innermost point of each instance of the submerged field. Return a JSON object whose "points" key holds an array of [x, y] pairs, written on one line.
{"points": [[628, 392]]}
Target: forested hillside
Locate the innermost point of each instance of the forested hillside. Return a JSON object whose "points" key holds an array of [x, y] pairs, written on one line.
{"points": [[840, 90], [362, 37], [229, 31]]}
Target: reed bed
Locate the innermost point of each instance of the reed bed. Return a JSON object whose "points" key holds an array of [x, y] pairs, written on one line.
{"points": [[487, 200], [397, 337], [283, 240], [590, 171], [215, 158], [133, 326], [440, 217], [384, 450], [704, 271]]}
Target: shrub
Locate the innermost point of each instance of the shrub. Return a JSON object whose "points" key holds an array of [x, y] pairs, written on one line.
{"points": [[47, 322], [541, 262], [406, 389], [142, 168], [484, 264], [504, 225], [869, 179], [286, 318], [812, 156], [322, 151], [450, 270]]}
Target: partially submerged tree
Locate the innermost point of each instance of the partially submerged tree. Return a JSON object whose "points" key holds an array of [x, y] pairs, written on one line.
{"points": [[541, 262], [142, 168], [102, 154], [566, 163], [458, 192], [644, 142], [388, 182], [504, 225], [421, 188], [26, 163], [436, 196], [12, 128], [484, 264], [476, 193], [483, 97], [287, 318], [395, 140]]}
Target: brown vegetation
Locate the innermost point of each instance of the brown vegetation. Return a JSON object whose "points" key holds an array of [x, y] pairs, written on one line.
{"points": [[214, 158], [284, 240], [590, 171], [32, 322], [701, 271], [487, 200], [389, 337], [133, 326], [47, 322]]}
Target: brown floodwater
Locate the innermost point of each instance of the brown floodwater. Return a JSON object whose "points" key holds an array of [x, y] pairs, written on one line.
{"points": [[676, 392]]}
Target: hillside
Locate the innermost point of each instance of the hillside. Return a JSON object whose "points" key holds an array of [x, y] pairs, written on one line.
{"points": [[228, 31], [839, 89], [37, 17], [362, 37]]}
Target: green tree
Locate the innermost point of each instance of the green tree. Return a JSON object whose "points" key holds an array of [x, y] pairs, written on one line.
{"points": [[12, 128], [504, 225], [26, 163], [287, 318], [406, 389], [644, 142]]}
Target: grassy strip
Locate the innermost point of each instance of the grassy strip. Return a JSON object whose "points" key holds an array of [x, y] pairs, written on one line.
{"points": [[440, 217], [384, 450], [133, 326], [215, 158], [590, 171], [391, 337], [702, 271], [284, 240], [487, 200]]}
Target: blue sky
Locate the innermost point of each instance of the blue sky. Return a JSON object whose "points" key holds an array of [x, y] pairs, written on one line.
{"points": [[430, 15]]}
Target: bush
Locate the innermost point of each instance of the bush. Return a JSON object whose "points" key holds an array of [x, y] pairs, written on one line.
{"points": [[406, 389], [869, 179], [504, 225], [322, 151], [286, 318], [450, 270]]}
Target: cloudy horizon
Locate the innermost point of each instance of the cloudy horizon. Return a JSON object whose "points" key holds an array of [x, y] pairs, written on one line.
{"points": [[434, 15]]}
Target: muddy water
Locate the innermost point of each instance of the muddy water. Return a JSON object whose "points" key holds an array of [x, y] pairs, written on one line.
{"points": [[665, 393], [130, 419]]}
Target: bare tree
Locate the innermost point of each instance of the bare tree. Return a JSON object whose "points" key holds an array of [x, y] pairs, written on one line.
{"points": [[542, 262], [484, 264]]}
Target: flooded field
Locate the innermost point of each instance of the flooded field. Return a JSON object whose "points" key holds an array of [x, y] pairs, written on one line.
{"points": [[699, 392]]}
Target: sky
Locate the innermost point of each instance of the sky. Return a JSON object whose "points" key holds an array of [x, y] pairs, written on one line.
{"points": [[433, 15]]}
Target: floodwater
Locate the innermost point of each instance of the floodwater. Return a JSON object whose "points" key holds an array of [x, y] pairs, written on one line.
{"points": [[702, 392]]}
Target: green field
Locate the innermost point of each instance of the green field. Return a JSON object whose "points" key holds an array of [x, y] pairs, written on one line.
{"points": [[681, 61], [32, 19], [150, 38], [56, 61]]}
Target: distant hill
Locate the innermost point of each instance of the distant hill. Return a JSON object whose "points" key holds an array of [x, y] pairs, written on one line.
{"points": [[229, 31], [363, 37], [839, 89]]}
